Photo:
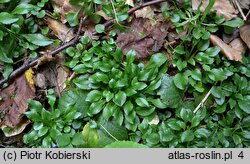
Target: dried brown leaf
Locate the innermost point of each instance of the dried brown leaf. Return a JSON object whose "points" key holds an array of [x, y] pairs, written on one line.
{"points": [[63, 7], [60, 30], [18, 129], [144, 36], [224, 8], [130, 3], [245, 34], [103, 14], [239, 45], [145, 12], [226, 50], [15, 101], [62, 73]]}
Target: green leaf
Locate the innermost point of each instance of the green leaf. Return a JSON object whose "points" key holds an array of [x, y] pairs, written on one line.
{"points": [[4, 1], [109, 110], [37, 125], [43, 131], [217, 75], [154, 85], [108, 95], [29, 138], [144, 112], [99, 2], [142, 102], [63, 140], [128, 107], [93, 96], [99, 76], [120, 98], [47, 141], [236, 139], [173, 124], [37, 39], [220, 108], [35, 105], [139, 86], [180, 50], [85, 39], [125, 144], [159, 103], [244, 104], [187, 136], [237, 22], [96, 107], [45, 115], [196, 74], [202, 132], [24, 8], [78, 139], [246, 134], [186, 114], [195, 121], [54, 132], [118, 54], [153, 138], [168, 92], [212, 51], [203, 45], [108, 132], [3, 56], [100, 28], [181, 64], [130, 57], [72, 18], [6, 18], [180, 81], [75, 100], [157, 59]]}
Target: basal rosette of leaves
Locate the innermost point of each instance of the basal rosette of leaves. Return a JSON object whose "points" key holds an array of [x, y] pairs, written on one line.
{"points": [[117, 86], [19, 31], [60, 125]]}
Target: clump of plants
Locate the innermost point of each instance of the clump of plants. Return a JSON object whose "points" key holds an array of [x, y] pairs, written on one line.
{"points": [[190, 96]]}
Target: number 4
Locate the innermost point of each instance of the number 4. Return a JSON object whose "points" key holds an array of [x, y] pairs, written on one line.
{"points": [[241, 155]]}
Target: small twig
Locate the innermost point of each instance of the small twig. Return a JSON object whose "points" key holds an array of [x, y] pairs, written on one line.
{"points": [[239, 8], [203, 101]]}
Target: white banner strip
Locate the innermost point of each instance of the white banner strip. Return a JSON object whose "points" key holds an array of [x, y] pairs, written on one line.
{"points": [[124, 156]]}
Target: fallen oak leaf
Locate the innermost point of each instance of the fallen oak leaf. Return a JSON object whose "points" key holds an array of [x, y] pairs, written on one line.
{"points": [[226, 50]]}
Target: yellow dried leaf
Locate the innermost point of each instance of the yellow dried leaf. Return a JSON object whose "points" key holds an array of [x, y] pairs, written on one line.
{"points": [[29, 74]]}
